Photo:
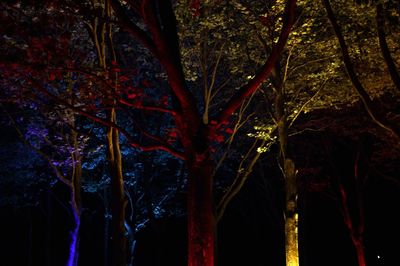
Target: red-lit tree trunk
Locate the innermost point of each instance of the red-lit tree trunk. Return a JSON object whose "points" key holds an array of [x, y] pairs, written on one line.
{"points": [[354, 220], [356, 232], [195, 135], [360, 252], [352, 208], [200, 202], [201, 222]]}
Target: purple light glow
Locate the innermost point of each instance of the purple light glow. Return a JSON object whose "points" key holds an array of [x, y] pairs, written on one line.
{"points": [[73, 253]]}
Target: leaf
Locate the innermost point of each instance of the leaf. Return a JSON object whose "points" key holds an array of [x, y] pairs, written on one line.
{"points": [[229, 130], [52, 76]]}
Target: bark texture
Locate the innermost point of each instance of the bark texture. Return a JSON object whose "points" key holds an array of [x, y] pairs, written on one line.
{"points": [[201, 222]]}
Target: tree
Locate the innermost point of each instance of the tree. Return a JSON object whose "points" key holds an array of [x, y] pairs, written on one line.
{"points": [[370, 107], [196, 136], [60, 145], [311, 77]]}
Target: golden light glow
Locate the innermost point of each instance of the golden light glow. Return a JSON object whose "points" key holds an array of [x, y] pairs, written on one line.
{"points": [[292, 247]]}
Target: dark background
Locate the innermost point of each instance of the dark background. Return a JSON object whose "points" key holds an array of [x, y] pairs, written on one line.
{"points": [[252, 230]]}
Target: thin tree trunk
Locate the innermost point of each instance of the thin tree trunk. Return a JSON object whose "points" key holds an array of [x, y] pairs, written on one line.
{"points": [[74, 242], [356, 237], [289, 173], [76, 212], [101, 34], [371, 109], [118, 201], [75, 191], [380, 22], [359, 251], [201, 221], [291, 216]]}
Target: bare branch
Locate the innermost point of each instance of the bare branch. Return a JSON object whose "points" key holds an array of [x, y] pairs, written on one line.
{"points": [[57, 171], [241, 177], [159, 146], [307, 102]]}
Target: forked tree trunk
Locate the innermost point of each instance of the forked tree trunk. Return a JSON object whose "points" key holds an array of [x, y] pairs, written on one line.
{"points": [[356, 231], [201, 221]]}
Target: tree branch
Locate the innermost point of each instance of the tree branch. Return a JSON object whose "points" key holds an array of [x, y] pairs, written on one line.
{"points": [[146, 107], [380, 22], [57, 171], [366, 100], [239, 181], [132, 28], [265, 70], [164, 33], [160, 146]]}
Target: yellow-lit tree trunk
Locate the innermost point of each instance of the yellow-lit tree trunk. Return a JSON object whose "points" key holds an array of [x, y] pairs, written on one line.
{"points": [[289, 172], [291, 216], [101, 34], [291, 241], [118, 201]]}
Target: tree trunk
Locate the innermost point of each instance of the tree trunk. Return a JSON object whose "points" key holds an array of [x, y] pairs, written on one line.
{"points": [[75, 201], [291, 241], [201, 222], [289, 172], [355, 233], [359, 251], [74, 242], [374, 112], [291, 216], [118, 201], [391, 65], [76, 212]]}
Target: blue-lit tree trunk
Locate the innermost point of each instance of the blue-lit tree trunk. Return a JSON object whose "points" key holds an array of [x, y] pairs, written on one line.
{"points": [[75, 190], [76, 212]]}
